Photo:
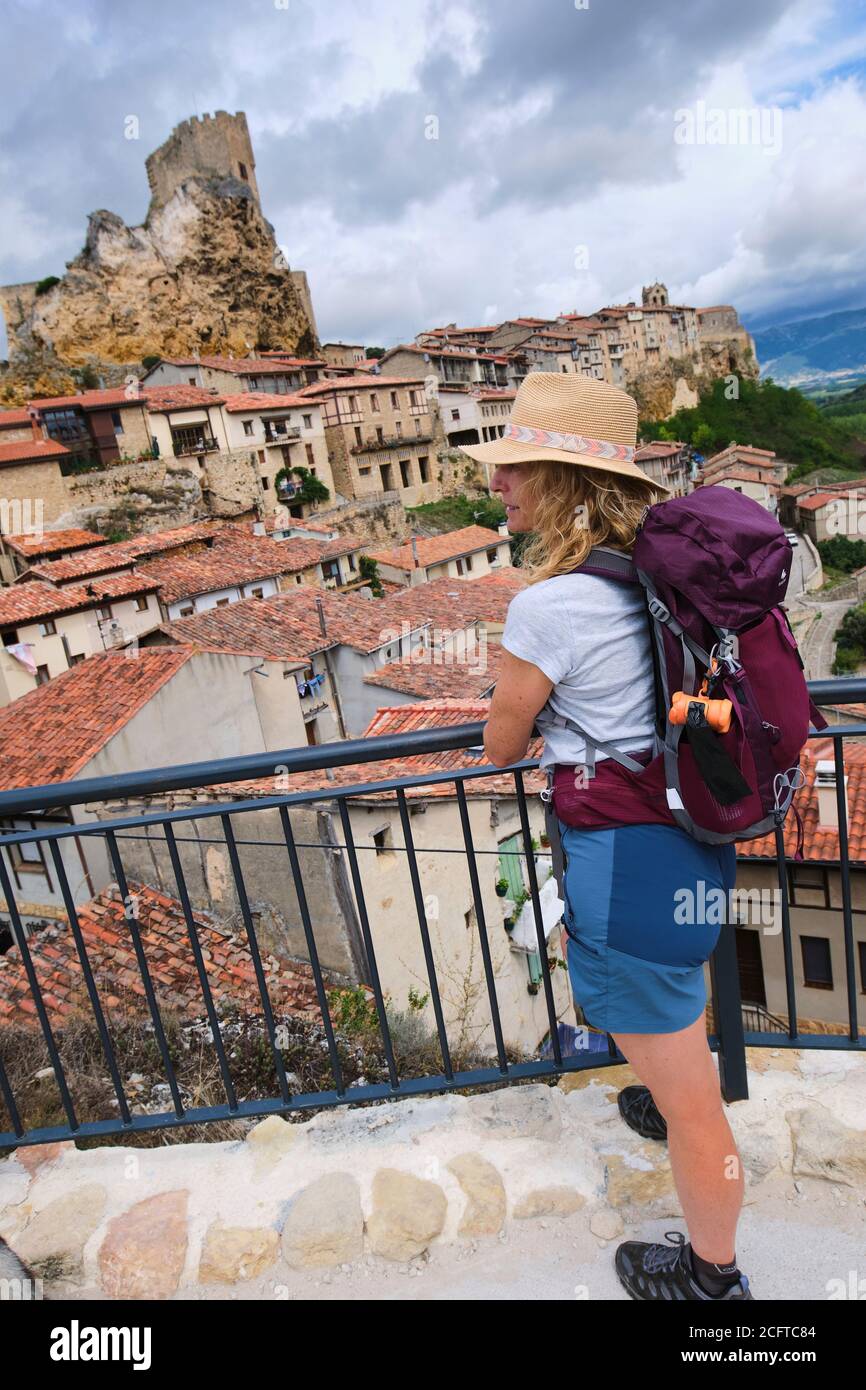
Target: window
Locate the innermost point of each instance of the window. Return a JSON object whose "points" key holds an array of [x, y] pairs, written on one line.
{"points": [[78, 657], [310, 455], [103, 613], [351, 560], [187, 610], [455, 414], [242, 169], [141, 603], [308, 422], [491, 557], [417, 426], [252, 383], [383, 840], [385, 474], [266, 482], [10, 636], [374, 402], [808, 885], [424, 468], [261, 454], [191, 380], [395, 404], [223, 602], [405, 476], [248, 426], [312, 732], [380, 435], [358, 439], [42, 676], [459, 567], [817, 967], [258, 592], [48, 628], [353, 403], [117, 421], [398, 427], [468, 562]]}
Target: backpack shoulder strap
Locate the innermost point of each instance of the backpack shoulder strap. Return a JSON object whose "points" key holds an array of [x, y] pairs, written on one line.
{"points": [[610, 563]]}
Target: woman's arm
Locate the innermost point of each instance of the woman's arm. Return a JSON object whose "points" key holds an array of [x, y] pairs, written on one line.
{"points": [[521, 691]]}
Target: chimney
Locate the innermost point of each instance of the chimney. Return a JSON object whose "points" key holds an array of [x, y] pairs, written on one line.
{"points": [[320, 609], [258, 528], [34, 422], [825, 786], [415, 551], [503, 529]]}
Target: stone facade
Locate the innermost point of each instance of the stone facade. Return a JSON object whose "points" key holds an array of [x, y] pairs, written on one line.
{"points": [[217, 146]]}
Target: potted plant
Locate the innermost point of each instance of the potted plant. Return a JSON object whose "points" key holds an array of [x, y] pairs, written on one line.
{"points": [[502, 887], [545, 840]]}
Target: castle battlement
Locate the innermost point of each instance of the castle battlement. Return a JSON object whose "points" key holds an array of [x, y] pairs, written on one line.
{"points": [[206, 146]]}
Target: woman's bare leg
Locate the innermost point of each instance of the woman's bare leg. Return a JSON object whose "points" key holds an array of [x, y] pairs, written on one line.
{"points": [[679, 1070]]}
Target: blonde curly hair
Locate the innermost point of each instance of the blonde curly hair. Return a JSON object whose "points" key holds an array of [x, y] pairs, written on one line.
{"points": [[575, 509]]}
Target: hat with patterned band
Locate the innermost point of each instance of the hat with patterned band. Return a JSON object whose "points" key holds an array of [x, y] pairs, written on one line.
{"points": [[569, 419]]}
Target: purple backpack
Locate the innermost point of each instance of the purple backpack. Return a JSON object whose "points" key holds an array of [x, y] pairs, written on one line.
{"points": [[714, 567]]}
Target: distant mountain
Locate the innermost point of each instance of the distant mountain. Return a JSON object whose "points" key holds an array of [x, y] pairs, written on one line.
{"points": [[815, 353]]}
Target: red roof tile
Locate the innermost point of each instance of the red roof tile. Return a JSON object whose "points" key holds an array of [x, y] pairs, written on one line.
{"points": [[433, 550], [165, 938], [178, 397], [53, 542], [123, 554], [31, 450], [51, 733], [821, 842], [434, 675], [264, 400], [27, 603]]}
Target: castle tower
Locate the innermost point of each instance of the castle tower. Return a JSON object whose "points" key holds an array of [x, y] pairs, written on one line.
{"points": [[655, 296], [206, 146]]}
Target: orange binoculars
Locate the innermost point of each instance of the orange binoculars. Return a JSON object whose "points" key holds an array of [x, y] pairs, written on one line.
{"points": [[717, 712]]}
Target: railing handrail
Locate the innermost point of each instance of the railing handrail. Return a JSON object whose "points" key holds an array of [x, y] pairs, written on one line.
{"points": [[179, 777]]}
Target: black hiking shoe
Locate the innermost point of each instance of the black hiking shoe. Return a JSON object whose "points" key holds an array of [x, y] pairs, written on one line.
{"points": [[640, 1112], [663, 1273]]}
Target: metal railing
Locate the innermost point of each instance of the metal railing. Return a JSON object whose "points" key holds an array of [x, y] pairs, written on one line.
{"points": [[115, 833]]}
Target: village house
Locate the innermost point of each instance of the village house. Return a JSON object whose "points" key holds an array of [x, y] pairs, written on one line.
{"points": [[665, 461], [45, 630], [281, 434], [745, 458], [277, 374], [32, 484], [107, 715], [383, 435], [474, 415], [759, 484], [449, 365], [352, 355], [423, 677], [98, 427], [467, 553], [815, 892], [18, 553]]}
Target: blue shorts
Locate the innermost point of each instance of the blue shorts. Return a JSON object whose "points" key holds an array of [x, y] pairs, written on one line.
{"points": [[644, 905]]}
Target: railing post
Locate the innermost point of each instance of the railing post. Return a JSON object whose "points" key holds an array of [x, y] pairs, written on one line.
{"points": [[728, 1016]]}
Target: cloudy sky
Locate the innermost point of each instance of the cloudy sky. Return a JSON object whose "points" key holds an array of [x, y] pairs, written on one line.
{"points": [[435, 160]]}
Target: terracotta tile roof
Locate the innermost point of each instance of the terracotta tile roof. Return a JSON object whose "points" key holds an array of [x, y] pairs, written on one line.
{"points": [[433, 550], [821, 499], [820, 842], [241, 366], [232, 560], [264, 400], [743, 475], [740, 449], [27, 450], [123, 554], [109, 398], [287, 626], [659, 449], [358, 380], [432, 675], [53, 542], [14, 419], [51, 733], [178, 397], [26, 603], [451, 603], [165, 939]]}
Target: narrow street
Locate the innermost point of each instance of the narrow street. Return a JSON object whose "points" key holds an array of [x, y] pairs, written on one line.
{"points": [[817, 647]]}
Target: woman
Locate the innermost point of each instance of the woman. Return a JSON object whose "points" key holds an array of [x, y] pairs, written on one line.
{"points": [[578, 647]]}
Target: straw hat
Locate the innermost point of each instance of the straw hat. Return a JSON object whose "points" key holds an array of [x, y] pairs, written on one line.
{"points": [[568, 419]]}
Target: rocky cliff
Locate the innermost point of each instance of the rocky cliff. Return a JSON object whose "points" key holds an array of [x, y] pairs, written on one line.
{"points": [[204, 271]]}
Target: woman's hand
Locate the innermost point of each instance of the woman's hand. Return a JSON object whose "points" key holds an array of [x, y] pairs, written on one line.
{"points": [[521, 691]]}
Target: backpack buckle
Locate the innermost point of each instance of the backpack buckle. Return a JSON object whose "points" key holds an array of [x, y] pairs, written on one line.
{"points": [[659, 610]]}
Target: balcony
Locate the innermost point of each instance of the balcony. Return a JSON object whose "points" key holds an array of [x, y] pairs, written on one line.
{"points": [[390, 441], [141, 833], [188, 443], [278, 433]]}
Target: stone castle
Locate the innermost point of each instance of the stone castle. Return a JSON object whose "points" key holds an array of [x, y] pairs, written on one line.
{"points": [[202, 273]]}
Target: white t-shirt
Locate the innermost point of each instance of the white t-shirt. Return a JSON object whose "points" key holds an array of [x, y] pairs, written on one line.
{"points": [[590, 636]]}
